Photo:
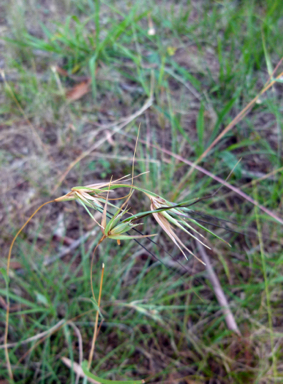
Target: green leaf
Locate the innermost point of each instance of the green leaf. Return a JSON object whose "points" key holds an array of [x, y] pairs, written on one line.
{"points": [[221, 115], [4, 273], [105, 381], [200, 124], [96, 307], [84, 204], [231, 160], [41, 299], [75, 18], [98, 191], [115, 219], [21, 300], [126, 237], [117, 230]]}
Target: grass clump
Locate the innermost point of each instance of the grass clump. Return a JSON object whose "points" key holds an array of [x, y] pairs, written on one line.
{"points": [[200, 69], [117, 228]]}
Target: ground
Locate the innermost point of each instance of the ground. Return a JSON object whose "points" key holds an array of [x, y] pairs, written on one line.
{"points": [[78, 80]]}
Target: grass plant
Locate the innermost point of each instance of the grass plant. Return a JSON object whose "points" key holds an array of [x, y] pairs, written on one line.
{"points": [[184, 82], [117, 228]]}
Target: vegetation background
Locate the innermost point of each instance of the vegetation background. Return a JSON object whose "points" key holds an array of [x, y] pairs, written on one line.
{"points": [[78, 78]]}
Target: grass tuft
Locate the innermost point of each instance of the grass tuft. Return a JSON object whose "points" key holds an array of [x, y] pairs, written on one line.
{"points": [[186, 73]]}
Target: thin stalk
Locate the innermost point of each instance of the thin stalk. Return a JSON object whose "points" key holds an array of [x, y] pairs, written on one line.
{"points": [[91, 265], [96, 320]]}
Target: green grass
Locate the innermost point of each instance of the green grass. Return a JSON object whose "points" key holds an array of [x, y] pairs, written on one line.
{"points": [[206, 61]]}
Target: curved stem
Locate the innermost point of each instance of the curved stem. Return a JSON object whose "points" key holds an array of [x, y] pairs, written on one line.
{"points": [[91, 264], [8, 300]]}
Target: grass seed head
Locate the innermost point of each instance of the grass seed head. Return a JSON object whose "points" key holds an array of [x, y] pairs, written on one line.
{"points": [[164, 219]]}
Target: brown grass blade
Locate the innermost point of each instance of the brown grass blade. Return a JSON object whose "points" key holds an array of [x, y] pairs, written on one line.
{"points": [[221, 298]]}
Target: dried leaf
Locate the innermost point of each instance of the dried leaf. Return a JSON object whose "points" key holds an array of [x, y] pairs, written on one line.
{"points": [[61, 71], [15, 265], [109, 138], [78, 90], [13, 308], [3, 302]]}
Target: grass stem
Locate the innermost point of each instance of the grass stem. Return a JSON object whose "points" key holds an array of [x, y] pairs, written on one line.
{"points": [[96, 320]]}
